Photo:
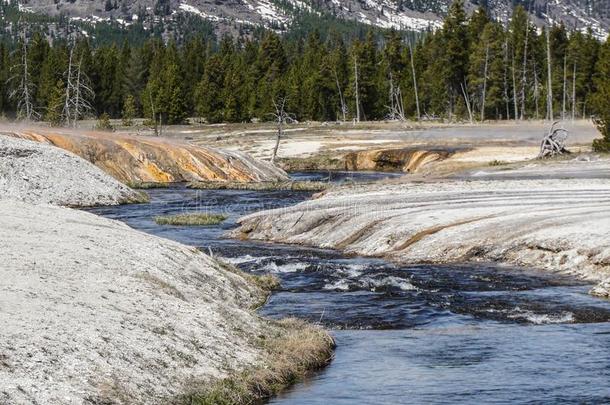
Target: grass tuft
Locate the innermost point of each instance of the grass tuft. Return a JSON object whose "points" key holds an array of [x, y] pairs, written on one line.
{"points": [[292, 350], [194, 219], [261, 186], [145, 185], [497, 163]]}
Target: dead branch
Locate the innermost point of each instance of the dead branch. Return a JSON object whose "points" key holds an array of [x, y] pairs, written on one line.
{"points": [[553, 143]]}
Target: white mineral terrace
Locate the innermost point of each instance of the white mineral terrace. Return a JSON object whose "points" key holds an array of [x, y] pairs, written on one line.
{"points": [[556, 224]]}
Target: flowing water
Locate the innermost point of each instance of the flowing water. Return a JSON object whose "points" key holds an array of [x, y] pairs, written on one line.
{"points": [[410, 334]]}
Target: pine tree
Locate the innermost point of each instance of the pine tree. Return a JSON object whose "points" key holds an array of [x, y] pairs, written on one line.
{"points": [[601, 98], [208, 94], [56, 104], [455, 60], [4, 77], [485, 77], [364, 63], [338, 64], [129, 110]]}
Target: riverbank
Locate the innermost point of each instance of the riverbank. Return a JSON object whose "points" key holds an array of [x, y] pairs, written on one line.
{"points": [[411, 325], [547, 222], [95, 311], [134, 159], [426, 148]]}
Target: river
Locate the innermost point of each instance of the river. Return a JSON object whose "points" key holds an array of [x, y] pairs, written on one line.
{"points": [[409, 334]]}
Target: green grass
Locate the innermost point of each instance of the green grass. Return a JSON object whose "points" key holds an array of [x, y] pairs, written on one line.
{"points": [[293, 349], [195, 219], [261, 186], [144, 185]]}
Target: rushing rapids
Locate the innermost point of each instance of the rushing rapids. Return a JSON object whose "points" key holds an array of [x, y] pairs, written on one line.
{"points": [[442, 333]]}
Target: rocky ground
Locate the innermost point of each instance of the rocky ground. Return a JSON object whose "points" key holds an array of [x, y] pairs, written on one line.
{"points": [[396, 146], [552, 216], [42, 174], [92, 311]]}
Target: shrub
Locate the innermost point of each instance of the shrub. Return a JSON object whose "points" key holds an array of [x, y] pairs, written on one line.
{"points": [[103, 123], [603, 144]]}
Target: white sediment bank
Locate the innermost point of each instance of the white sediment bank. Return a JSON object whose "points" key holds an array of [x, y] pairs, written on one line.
{"points": [[43, 174], [555, 224], [92, 311]]}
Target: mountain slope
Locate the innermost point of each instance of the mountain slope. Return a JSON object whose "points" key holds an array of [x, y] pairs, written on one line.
{"points": [[415, 15]]}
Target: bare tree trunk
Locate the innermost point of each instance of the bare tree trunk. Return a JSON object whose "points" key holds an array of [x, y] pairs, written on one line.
{"points": [[565, 83], [154, 116], [392, 106], [549, 92], [66, 111], [77, 100], [341, 99], [24, 89], [400, 104], [280, 133], [515, 105], [81, 93], [396, 107], [536, 91], [27, 96], [414, 81], [467, 100], [485, 83], [357, 95], [524, 79], [281, 117], [506, 99], [574, 93]]}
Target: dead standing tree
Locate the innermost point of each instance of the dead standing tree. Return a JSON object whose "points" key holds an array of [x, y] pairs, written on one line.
{"points": [[356, 89], [549, 92], [78, 93], [485, 83], [553, 143], [464, 87], [82, 93], [23, 85], [343, 106], [414, 81], [281, 118], [396, 108]]}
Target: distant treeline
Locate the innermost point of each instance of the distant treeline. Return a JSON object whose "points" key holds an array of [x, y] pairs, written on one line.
{"points": [[473, 68]]}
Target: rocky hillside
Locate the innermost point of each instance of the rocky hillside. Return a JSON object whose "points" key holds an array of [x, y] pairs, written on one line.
{"points": [[416, 15]]}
